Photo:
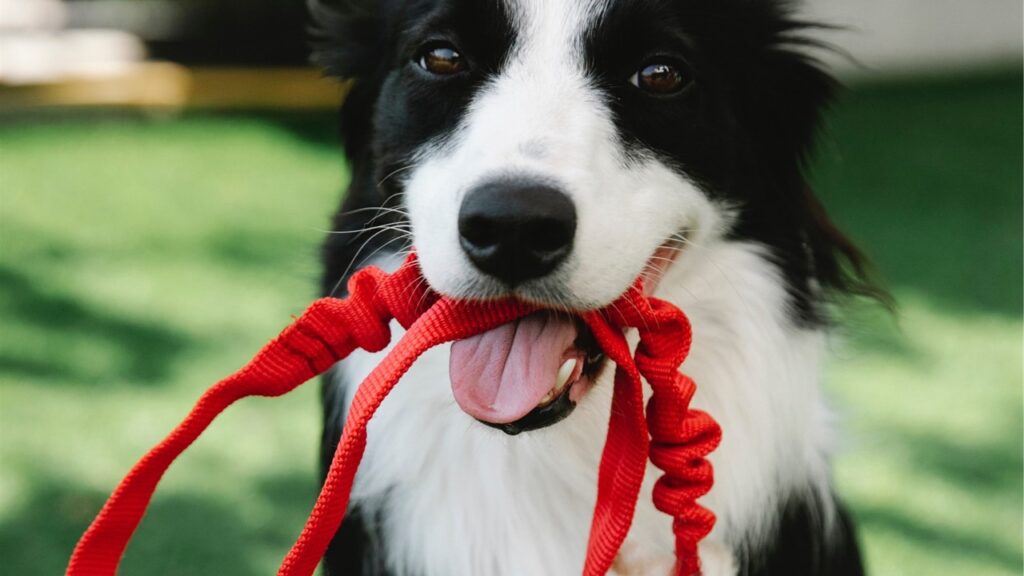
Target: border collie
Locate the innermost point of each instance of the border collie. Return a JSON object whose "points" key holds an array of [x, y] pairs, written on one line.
{"points": [[555, 151]]}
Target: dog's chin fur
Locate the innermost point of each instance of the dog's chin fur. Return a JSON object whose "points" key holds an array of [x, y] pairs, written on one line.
{"points": [[714, 171]]}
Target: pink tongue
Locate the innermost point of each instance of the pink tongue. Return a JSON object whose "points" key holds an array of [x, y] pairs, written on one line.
{"points": [[501, 375]]}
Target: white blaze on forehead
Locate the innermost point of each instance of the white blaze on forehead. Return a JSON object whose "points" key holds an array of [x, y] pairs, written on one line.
{"points": [[547, 27], [541, 96]]}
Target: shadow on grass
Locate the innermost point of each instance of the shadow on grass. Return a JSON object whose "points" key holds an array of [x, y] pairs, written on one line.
{"points": [[181, 534], [970, 467], [989, 467], [147, 350], [928, 537]]}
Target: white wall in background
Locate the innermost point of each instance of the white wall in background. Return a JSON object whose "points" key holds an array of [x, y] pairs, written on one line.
{"points": [[912, 35]]}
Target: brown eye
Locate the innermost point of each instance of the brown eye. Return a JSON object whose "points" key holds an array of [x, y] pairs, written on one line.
{"points": [[662, 78], [442, 60]]}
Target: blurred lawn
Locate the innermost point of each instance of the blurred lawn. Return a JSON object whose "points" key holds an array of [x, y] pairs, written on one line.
{"points": [[142, 259]]}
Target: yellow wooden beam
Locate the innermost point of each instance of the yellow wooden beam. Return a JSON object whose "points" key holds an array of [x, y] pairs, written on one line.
{"points": [[166, 86]]}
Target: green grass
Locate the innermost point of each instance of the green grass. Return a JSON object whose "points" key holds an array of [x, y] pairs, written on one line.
{"points": [[927, 177], [142, 259]]}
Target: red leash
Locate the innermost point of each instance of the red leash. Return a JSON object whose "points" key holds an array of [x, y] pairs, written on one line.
{"points": [[330, 329]]}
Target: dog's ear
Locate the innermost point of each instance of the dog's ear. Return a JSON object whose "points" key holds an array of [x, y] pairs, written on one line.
{"points": [[347, 36], [785, 87], [785, 94]]}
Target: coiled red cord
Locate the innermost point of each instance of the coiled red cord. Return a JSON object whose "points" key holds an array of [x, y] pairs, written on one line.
{"points": [[330, 329]]}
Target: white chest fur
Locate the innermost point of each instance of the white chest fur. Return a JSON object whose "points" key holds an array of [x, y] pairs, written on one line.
{"points": [[458, 499]]}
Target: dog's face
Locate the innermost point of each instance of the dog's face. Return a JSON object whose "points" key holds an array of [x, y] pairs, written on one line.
{"points": [[553, 150], [562, 106], [556, 150]]}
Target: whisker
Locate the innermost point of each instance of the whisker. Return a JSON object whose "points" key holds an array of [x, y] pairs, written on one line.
{"points": [[650, 273], [404, 228], [369, 257], [413, 286], [371, 208], [395, 173], [385, 211], [355, 258]]}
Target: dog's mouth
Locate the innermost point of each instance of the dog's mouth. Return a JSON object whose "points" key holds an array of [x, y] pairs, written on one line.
{"points": [[531, 373], [526, 374]]}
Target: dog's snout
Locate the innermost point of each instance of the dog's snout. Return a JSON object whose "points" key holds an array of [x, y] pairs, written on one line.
{"points": [[517, 231]]}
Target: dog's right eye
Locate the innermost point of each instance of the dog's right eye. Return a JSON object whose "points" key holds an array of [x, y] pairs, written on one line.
{"points": [[441, 59], [662, 78]]}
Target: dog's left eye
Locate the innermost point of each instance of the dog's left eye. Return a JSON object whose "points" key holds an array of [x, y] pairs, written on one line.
{"points": [[441, 59], [662, 77]]}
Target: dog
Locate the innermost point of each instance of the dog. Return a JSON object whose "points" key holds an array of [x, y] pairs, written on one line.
{"points": [[556, 151]]}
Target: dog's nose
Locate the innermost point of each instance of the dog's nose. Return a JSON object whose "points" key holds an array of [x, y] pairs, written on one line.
{"points": [[517, 231]]}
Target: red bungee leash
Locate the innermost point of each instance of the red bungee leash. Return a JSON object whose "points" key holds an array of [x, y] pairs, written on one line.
{"points": [[680, 438]]}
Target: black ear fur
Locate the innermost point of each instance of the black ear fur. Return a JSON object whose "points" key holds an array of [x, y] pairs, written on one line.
{"points": [[785, 93], [349, 40], [347, 36]]}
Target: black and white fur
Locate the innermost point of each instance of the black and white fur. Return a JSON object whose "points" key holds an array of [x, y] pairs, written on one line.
{"points": [[718, 169]]}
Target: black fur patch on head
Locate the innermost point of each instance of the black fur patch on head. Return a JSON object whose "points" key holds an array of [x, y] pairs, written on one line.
{"points": [[376, 45]]}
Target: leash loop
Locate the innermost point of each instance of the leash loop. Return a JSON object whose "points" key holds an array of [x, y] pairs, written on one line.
{"points": [[676, 439]]}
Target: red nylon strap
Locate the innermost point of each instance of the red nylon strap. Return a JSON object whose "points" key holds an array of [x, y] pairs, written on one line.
{"points": [[680, 439]]}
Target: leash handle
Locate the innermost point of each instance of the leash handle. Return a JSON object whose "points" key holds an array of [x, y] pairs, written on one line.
{"points": [[330, 329]]}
